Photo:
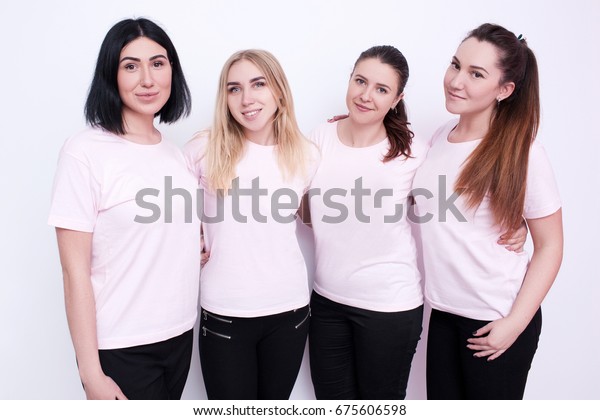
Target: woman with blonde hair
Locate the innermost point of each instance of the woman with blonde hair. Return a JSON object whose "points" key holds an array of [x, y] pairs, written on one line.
{"points": [[253, 165]]}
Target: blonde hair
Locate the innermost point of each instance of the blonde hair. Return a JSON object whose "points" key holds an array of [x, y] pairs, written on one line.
{"points": [[226, 145]]}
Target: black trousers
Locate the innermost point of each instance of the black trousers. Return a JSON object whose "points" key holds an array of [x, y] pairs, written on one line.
{"points": [[453, 373], [252, 358], [361, 354], [156, 371]]}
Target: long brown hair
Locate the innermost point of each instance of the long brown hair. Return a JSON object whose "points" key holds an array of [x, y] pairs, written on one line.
{"points": [[396, 120], [498, 166]]}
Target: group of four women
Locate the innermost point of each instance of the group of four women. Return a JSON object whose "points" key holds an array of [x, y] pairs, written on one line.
{"points": [[131, 288]]}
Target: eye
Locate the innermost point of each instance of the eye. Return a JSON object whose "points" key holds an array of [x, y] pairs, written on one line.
{"points": [[234, 89], [454, 65], [129, 67], [382, 90], [260, 84], [477, 75], [158, 64], [360, 81]]}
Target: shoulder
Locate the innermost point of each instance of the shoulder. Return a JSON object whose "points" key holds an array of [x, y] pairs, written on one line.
{"points": [[419, 147], [443, 131], [85, 144], [538, 158], [323, 133], [197, 145]]}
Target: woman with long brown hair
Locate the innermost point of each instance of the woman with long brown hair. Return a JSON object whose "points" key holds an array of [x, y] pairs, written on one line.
{"points": [[487, 167]]}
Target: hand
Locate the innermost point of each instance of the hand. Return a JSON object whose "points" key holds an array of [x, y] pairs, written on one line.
{"points": [[103, 388], [495, 338], [337, 118], [204, 255], [514, 241]]}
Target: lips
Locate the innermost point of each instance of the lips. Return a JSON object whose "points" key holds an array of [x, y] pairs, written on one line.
{"points": [[454, 95], [251, 114], [362, 108], [147, 96]]}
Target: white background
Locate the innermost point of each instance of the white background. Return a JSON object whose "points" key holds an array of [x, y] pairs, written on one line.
{"points": [[49, 50]]}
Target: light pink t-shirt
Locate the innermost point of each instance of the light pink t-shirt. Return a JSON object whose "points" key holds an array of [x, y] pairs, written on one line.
{"points": [[364, 250], [466, 272], [256, 267], [144, 275]]}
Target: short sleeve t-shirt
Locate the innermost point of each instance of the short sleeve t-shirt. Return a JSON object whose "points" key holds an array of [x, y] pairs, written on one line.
{"points": [[137, 201], [466, 271]]}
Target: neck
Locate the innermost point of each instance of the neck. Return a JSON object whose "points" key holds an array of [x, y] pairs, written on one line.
{"points": [[471, 127], [360, 135], [263, 139], [140, 129]]}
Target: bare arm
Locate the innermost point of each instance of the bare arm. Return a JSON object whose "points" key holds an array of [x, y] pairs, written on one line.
{"points": [[75, 256], [547, 235]]}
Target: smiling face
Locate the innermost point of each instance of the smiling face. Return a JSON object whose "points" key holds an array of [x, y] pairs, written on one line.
{"points": [[472, 81], [372, 91], [143, 78], [251, 101]]}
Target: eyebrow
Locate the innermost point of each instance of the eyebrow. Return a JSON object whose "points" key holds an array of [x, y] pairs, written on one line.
{"points": [[473, 67], [154, 57], [254, 79], [378, 84]]}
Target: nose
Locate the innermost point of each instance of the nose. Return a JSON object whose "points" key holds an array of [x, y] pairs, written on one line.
{"points": [[455, 80], [247, 97], [146, 77], [365, 95]]}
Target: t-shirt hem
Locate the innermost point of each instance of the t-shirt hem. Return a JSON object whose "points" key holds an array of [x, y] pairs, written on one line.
{"points": [[406, 305], [63, 223], [490, 315], [124, 342], [257, 312], [547, 211]]}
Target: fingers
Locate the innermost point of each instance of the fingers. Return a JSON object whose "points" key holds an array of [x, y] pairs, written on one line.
{"points": [[337, 118], [484, 353], [512, 244], [204, 257], [483, 330]]}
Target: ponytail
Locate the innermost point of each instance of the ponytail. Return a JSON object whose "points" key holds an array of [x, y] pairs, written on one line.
{"points": [[498, 166]]}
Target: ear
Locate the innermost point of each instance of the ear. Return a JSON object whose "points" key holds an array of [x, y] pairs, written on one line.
{"points": [[506, 90], [398, 99]]}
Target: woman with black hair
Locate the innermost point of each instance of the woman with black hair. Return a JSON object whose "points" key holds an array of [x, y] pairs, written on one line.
{"points": [[130, 279]]}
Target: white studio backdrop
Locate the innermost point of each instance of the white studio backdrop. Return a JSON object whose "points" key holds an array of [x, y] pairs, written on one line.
{"points": [[50, 49]]}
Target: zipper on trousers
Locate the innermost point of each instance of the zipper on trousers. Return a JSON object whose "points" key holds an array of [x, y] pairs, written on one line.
{"points": [[218, 318], [205, 330], [304, 320]]}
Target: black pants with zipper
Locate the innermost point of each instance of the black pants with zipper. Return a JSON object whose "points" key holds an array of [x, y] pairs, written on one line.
{"points": [[252, 358]]}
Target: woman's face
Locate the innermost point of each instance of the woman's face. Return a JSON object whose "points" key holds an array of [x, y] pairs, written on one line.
{"points": [[372, 91], [472, 81], [143, 78], [251, 101]]}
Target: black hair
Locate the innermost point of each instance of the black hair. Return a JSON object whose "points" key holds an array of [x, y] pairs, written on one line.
{"points": [[103, 107]]}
